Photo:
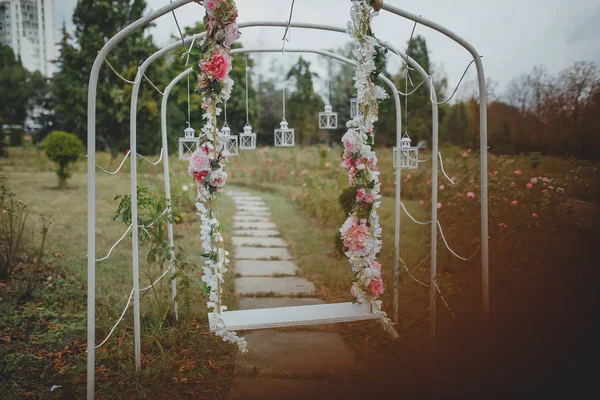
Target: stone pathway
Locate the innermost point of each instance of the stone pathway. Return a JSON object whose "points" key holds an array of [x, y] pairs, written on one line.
{"points": [[302, 364]]}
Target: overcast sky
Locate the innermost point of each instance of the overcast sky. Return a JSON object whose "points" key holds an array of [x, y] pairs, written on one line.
{"points": [[512, 35]]}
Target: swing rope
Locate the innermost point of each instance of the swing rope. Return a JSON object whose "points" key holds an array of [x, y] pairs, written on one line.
{"points": [[284, 103], [247, 117]]}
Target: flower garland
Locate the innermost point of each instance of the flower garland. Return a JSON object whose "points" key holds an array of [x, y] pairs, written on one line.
{"points": [[208, 160], [361, 231]]}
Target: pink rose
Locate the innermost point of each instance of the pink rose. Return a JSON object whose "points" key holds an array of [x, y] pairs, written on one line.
{"points": [[376, 266], [533, 180], [376, 287], [470, 195], [354, 290], [439, 205], [513, 203], [544, 179], [217, 67], [217, 178], [357, 237], [518, 172], [529, 186], [199, 161], [421, 203], [442, 187], [231, 34], [534, 215], [362, 196], [210, 6]]}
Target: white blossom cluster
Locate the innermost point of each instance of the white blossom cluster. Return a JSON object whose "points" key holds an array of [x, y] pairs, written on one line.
{"points": [[214, 269], [215, 265], [360, 160]]}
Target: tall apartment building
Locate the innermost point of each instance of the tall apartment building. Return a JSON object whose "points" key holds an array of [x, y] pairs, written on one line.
{"points": [[28, 28]]}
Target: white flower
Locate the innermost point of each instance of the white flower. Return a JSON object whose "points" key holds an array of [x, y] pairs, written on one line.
{"points": [[185, 188]]}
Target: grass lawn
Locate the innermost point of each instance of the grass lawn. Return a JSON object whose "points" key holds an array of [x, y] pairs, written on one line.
{"points": [[43, 333], [541, 271]]}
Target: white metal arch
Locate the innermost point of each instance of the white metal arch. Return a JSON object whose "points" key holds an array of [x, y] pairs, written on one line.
{"points": [[424, 75], [91, 125]]}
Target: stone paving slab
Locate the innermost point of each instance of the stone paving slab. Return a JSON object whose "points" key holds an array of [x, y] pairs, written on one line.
{"points": [[248, 199], [245, 218], [256, 232], [244, 197], [252, 303], [254, 241], [248, 213], [285, 286], [250, 202], [239, 195], [254, 225], [252, 208], [262, 388], [298, 353], [264, 268], [261, 253]]}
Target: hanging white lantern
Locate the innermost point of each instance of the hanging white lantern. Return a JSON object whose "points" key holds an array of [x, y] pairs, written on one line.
{"points": [[405, 156], [229, 141], [328, 119], [353, 107], [284, 136], [247, 138], [188, 144]]}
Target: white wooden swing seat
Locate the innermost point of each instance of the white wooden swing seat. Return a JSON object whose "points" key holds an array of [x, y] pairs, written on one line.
{"points": [[263, 318]]}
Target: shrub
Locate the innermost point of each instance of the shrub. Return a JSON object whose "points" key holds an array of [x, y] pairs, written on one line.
{"points": [[64, 149], [13, 226]]}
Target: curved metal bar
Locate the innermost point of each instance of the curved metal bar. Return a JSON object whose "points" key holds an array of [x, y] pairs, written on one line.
{"points": [[485, 292]]}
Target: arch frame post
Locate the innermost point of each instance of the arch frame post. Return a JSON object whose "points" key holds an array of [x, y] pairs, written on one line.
{"points": [[91, 173]]}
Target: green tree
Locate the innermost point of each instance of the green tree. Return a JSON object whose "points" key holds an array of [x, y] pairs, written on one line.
{"points": [[64, 149], [456, 124], [95, 23], [304, 103], [419, 104], [14, 86]]}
